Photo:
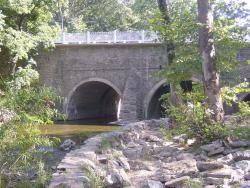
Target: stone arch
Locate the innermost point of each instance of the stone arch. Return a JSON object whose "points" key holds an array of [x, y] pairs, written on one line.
{"points": [[93, 98], [152, 100]]}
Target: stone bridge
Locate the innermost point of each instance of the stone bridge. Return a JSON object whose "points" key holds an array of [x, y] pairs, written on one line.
{"points": [[109, 76], [114, 81]]}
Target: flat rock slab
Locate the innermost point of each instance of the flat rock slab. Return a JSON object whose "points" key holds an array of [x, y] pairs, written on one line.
{"points": [[182, 167], [223, 173], [204, 166]]}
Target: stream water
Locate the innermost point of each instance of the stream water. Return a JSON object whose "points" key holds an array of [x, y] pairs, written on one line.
{"points": [[78, 129]]}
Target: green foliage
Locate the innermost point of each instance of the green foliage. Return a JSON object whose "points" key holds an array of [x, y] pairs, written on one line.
{"points": [[229, 95], [183, 32], [143, 11], [197, 122], [107, 143], [21, 141], [27, 27], [244, 110], [31, 101], [96, 181], [82, 15], [193, 184]]}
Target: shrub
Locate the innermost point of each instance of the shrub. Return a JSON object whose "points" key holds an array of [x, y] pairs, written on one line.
{"points": [[21, 141], [194, 118]]}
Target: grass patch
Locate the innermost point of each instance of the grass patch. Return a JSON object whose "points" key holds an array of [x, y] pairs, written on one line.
{"points": [[95, 180], [107, 143]]}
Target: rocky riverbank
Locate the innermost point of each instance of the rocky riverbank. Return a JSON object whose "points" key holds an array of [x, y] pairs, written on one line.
{"points": [[139, 156]]}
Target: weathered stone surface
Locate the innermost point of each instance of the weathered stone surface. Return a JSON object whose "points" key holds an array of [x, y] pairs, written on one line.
{"points": [[67, 145], [102, 159], [216, 151], [204, 166], [152, 138], [223, 173], [148, 163], [154, 184], [241, 155], [133, 153], [132, 145], [211, 147], [177, 183], [239, 143], [226, 159], [124, 176], [243, 165], [247, 176], [184, 156], [137, 165], [123, 162], [114, 181], [122, 67], [182, 167], [180, 138], [213, 181], [245, 184], [75, 180]]}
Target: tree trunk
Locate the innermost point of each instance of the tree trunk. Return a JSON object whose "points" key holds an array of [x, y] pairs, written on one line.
{"points": [[162, 4], [207, 49]]}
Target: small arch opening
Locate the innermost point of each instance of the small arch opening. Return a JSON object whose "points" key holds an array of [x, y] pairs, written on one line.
{"points": [[94, 100], [247, 99], [155, 109]]}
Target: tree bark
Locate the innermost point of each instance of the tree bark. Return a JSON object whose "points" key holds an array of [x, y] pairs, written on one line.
{"points": [[163, 7], [207, 49]]}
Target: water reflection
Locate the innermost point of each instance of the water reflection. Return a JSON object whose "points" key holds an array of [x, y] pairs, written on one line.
{"points": [[67, 128]]}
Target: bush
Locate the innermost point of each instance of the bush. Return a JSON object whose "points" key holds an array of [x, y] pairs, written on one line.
{"points": [[196, 122], [194, 118], [21, 141]]}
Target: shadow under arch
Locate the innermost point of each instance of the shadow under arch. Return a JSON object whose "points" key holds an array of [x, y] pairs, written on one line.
{"points": [[93, 98], [246, 98], [152, 104]]}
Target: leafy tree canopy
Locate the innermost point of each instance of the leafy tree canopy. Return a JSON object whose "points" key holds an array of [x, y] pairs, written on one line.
{"points": [[105, 15], [183, 31], [25, 26]]}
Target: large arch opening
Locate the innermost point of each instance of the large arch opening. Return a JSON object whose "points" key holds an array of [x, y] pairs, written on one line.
{"points": [[94, 100], [153, 104]]}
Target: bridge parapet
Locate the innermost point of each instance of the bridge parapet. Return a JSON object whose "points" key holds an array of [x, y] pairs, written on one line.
{"points": [[108, 37]]}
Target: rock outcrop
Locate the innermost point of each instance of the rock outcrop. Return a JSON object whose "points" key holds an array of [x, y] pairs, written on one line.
{"points": [[138, 156]]}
